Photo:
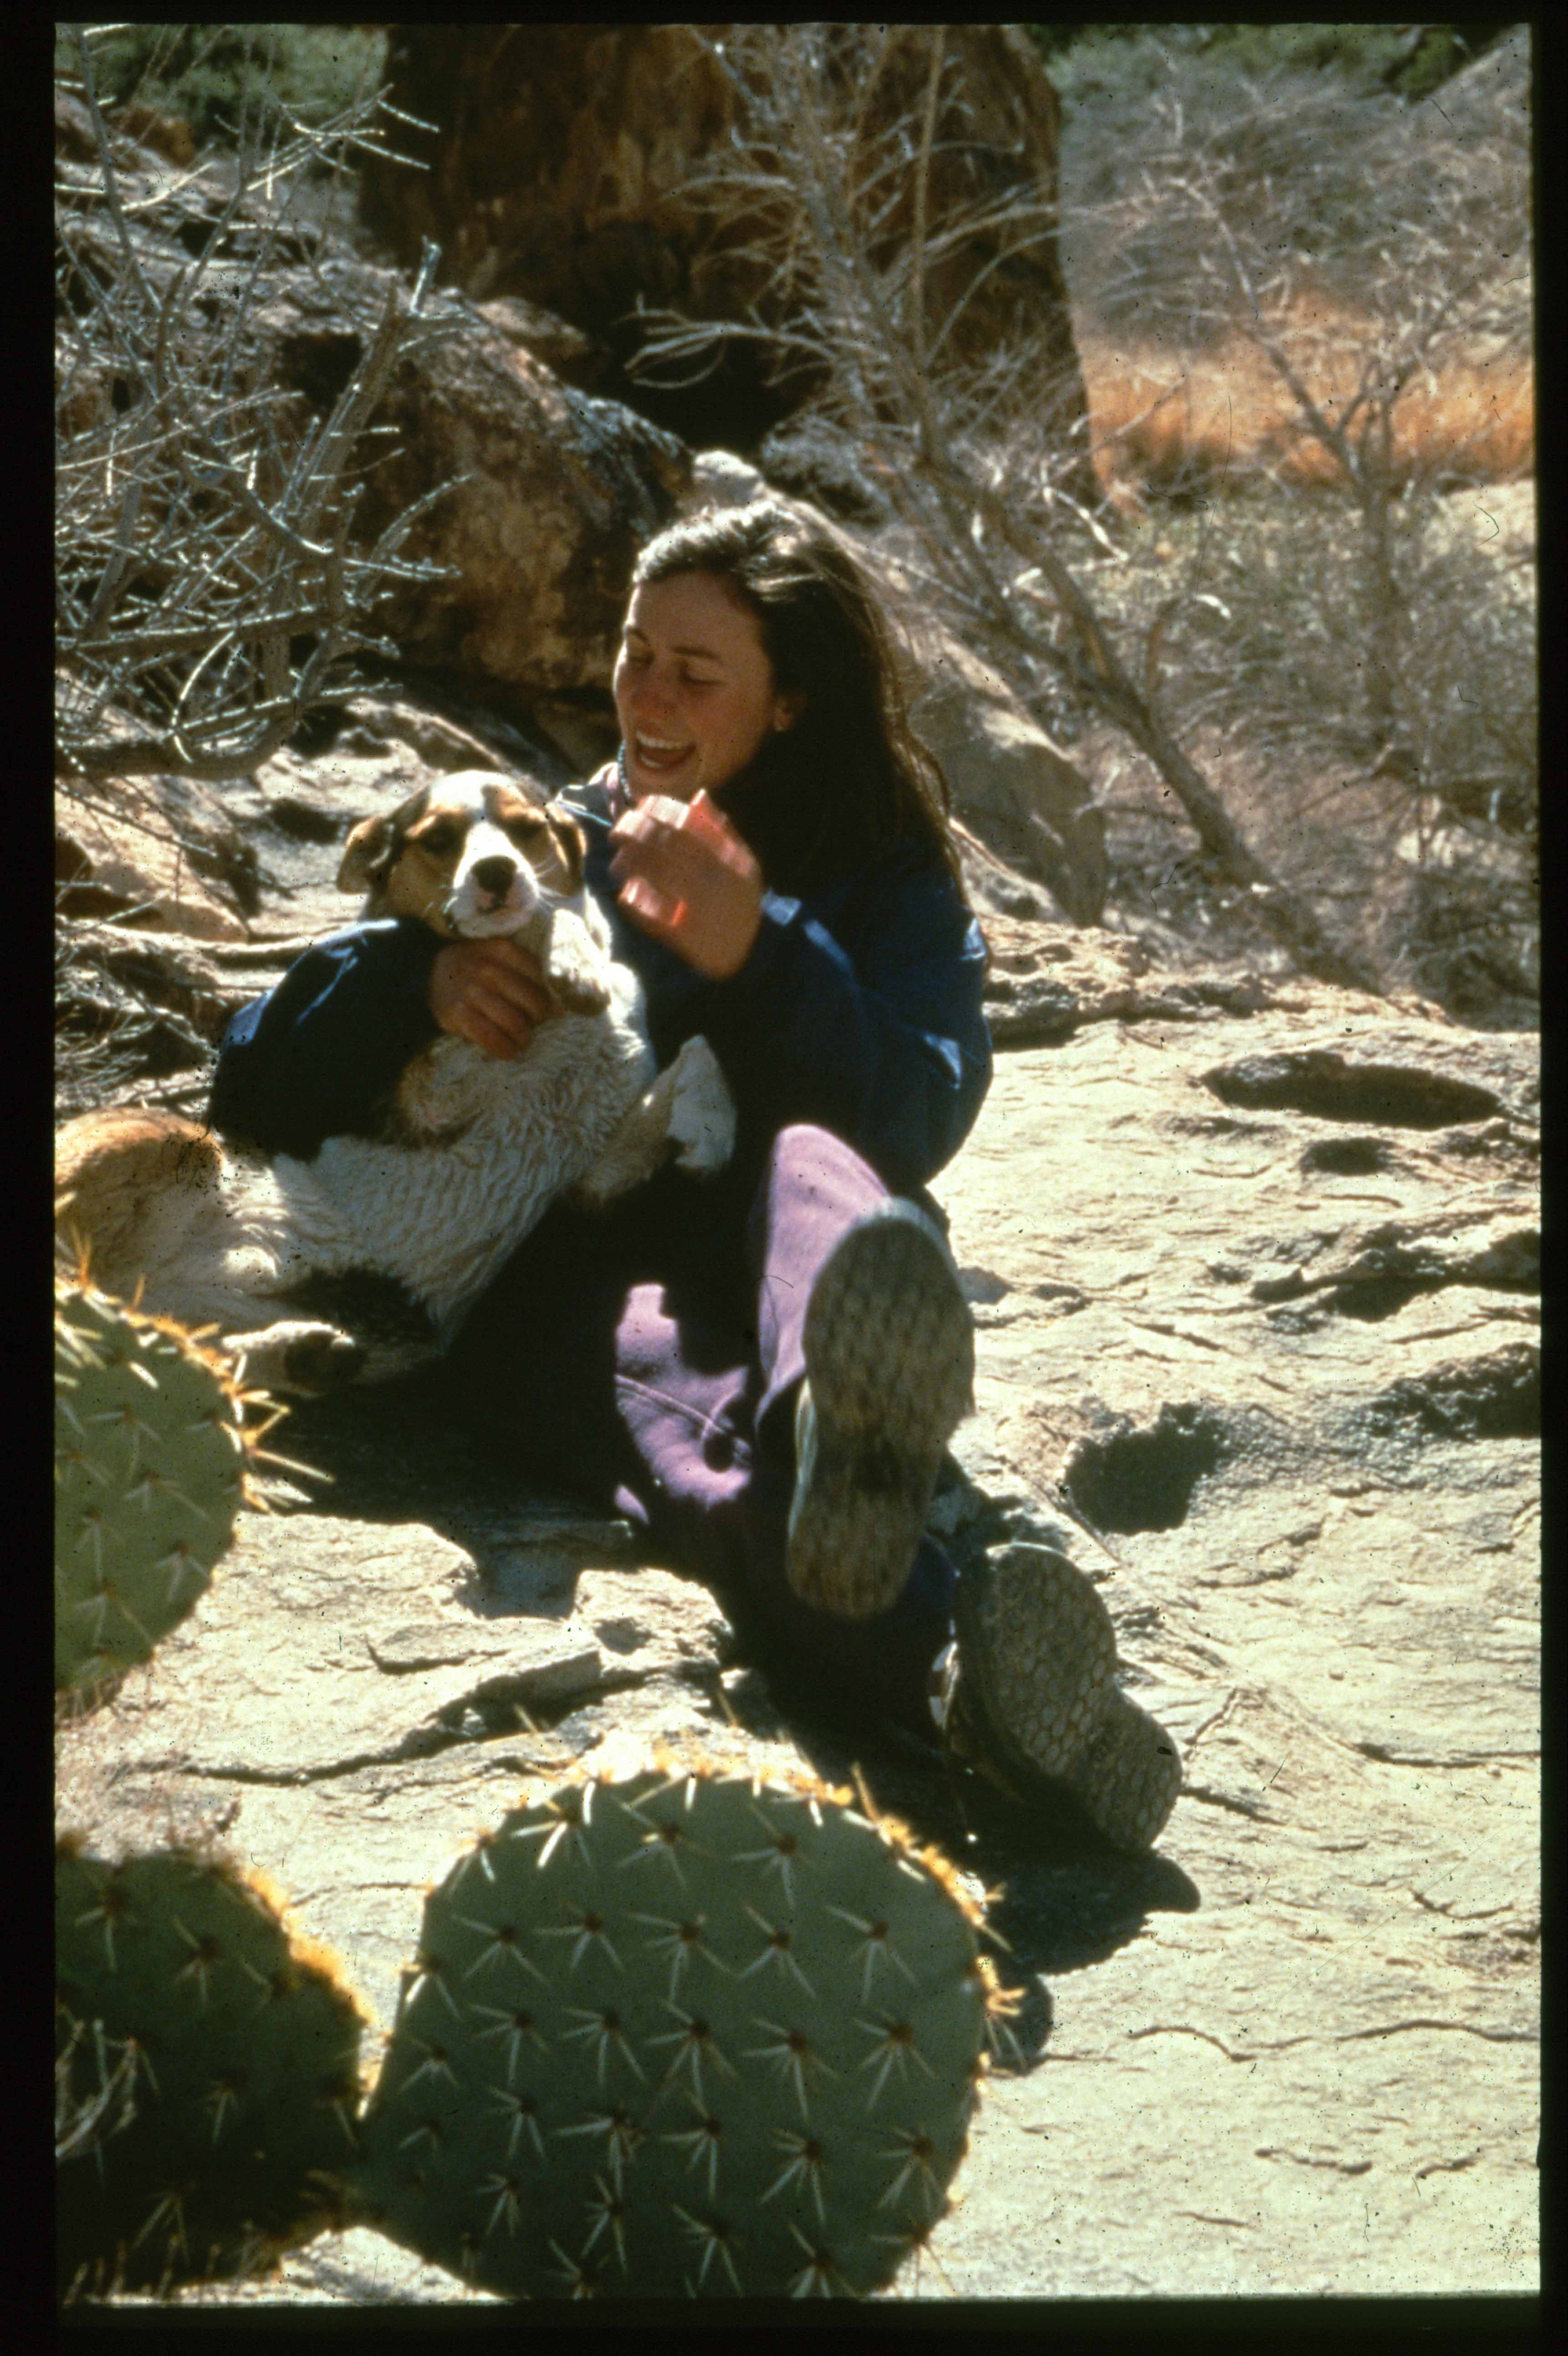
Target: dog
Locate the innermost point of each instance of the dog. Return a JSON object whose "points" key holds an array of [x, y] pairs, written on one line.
{"points": [[391, 1238]]}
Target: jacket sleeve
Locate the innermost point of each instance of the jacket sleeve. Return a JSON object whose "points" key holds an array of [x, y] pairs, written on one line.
{"points": [[887, 1047], [320, 1053]]}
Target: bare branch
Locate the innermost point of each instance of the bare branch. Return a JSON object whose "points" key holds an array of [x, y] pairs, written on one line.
{"points": [[979, 521], [201, 533], [922, 190]]}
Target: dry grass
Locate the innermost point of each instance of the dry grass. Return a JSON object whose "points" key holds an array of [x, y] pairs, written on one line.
{"points": [[1164, 420]]}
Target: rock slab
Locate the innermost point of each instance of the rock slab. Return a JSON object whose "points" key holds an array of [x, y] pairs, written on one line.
{"points": [[1263, 1358]]}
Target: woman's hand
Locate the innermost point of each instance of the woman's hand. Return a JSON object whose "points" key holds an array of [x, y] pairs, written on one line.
{"points": [[491, 992], [688, 880]]}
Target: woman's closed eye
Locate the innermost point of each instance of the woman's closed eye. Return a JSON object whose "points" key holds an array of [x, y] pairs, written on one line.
{"points": [[639, 658]]}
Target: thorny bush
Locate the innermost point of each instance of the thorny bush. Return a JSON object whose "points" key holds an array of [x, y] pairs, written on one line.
{"points": [[210, 593], [1322, 626]]}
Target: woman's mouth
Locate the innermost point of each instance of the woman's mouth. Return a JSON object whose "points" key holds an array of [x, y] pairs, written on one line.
{"points": [[654, 752]]}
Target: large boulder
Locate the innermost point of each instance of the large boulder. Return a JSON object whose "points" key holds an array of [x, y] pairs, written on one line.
{"points": [[158, 852], [1031, 807], [558, 167], [551, 489], [555, 492]]}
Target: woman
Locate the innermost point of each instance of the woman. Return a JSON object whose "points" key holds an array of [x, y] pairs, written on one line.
{"points": [[760, 1370]]}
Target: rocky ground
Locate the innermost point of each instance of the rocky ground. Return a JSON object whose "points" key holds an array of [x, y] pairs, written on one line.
{"points": [[1255, 1267]]}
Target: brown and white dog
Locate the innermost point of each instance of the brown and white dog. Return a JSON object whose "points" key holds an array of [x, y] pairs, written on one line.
{"points": [[474, 1148]]}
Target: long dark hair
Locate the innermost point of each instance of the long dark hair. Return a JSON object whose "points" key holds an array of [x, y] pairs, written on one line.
{"points": [[849, 779]]}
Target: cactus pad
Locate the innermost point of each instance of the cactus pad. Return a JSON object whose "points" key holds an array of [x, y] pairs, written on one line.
{"points": [[243, 2051], [149, 1474], [684, 2034]]}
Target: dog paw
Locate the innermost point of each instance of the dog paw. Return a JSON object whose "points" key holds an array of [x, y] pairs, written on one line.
{"points": [[702, 1110], [576, 966], [581, 993], [298, 1356]]}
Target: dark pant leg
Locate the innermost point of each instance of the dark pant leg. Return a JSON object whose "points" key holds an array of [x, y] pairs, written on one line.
{"points": [[718, 1444], [813, 1190], [535, 1363], [648, 1359]]}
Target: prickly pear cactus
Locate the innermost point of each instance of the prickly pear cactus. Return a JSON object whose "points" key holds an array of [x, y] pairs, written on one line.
{"points": [[240, 2047], [95, 2085], [149, 1473], [685, 2034]]}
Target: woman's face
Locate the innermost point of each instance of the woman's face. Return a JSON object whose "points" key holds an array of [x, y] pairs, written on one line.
{"points": [[694, 688]]}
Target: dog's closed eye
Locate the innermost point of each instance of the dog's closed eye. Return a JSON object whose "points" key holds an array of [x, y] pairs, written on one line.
{"points": [[440, 838]]}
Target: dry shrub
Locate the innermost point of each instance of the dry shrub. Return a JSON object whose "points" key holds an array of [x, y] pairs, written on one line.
{"points": [[204, 519], [1284, 274], [1338, 838], [1305, 317], [1257, 608], [1449, 916]]}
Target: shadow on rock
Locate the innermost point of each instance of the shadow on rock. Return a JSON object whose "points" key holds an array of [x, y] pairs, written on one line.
{"points": [[386, 1453], [1060, 1896]]}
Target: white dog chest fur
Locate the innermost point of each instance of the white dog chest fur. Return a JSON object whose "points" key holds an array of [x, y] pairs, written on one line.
{"points": [[500, 1142]]}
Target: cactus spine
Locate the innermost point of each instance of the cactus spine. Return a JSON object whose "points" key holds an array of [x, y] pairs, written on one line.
{"points": [[150, 1452]]}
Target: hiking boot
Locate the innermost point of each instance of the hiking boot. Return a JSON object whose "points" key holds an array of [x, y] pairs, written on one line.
{"points": [[1027, 1697], [890, 1372]]}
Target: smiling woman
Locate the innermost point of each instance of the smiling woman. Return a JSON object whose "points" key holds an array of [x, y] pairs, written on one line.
{"points": [[761, 1369], [814, 761], [697, 699], [695, 691]]}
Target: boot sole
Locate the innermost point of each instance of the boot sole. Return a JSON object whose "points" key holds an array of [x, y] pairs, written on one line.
{"points": [[1038, 1662], [889, 1354]]}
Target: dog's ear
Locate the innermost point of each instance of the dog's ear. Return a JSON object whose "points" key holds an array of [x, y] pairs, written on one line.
{"points": [[570, 840], [371, 845], [366, 847]]}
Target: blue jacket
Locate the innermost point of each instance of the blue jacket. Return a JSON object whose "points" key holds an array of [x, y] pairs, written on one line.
{"points": [[859, 1009]]}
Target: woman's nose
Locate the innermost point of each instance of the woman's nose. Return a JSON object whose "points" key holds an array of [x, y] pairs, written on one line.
{"points": [[650, 693]]}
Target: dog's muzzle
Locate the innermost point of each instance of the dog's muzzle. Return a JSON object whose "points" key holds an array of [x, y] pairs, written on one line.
{"points": [[493, 888]]}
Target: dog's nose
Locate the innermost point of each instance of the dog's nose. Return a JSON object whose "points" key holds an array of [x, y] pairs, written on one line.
{"points": [[495, 874]]}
